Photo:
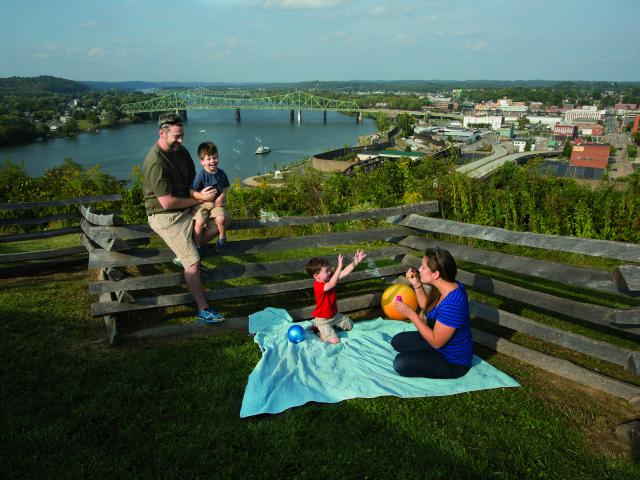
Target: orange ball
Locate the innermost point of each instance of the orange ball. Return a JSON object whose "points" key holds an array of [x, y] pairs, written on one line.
{"points": [[389, 296]]}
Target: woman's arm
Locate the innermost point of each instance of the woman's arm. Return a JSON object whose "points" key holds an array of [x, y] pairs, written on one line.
{"points": [[437, 337], [415, 282]]}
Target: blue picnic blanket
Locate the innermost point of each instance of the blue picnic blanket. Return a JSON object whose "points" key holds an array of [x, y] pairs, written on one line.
{"points": [[290, 374]]}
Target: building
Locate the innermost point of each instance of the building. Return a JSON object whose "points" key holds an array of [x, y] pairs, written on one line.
{"points": [[567, 130], [535, 106], [459, 135], [400, 154], [636, 124], [590, 155], [494, 121], [592, 131], [548, 122], [586, 112], [506, 132], [520, 144], [622, 108], [518, 110]]}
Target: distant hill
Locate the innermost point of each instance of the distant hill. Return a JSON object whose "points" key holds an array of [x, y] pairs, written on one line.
{"points": [[49, 84], [142, 85], [41, 84]]}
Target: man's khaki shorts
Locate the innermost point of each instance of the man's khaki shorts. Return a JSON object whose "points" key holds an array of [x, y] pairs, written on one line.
{"points": [[326, 326], [176, 229], [207, 210]]}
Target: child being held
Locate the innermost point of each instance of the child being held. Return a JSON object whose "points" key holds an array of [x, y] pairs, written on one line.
{"points": [[211, 176], [326, 315]]}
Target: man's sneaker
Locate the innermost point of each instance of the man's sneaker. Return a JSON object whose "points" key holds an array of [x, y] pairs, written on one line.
{"points": [[220, 244], [176, 261], [209, 316]]}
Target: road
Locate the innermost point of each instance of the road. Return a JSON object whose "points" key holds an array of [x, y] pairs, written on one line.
{"points": [[621, 166]]}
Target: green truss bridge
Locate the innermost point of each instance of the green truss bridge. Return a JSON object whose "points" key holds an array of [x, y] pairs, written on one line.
{"points": [[205, 99]]}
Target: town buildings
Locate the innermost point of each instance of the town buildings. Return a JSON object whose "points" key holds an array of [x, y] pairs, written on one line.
{"points": [[590, 155]]}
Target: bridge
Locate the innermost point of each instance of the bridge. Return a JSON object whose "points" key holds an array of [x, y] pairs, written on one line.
{"points": [[205, 99]]}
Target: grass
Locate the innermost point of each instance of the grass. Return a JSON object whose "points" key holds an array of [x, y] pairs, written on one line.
{"points": [[72, 408]]}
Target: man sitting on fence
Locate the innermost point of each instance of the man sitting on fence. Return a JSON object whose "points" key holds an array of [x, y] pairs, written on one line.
{"points": [[168, 175]]}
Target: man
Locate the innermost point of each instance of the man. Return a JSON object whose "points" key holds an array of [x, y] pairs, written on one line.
{"points": [[168, 175]]}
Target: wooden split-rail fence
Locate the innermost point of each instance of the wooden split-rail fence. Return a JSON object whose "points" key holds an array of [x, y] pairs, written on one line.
{"points": [[23, 222], [120, 253]]}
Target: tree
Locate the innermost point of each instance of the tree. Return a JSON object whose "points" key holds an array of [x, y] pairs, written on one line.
{"points": [[405, 123], [522, 121], [70, 128], [383, 122], [567, 149], [632, 151]]}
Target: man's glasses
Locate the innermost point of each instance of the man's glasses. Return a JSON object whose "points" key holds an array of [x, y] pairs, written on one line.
{"points": [[170, 123]]}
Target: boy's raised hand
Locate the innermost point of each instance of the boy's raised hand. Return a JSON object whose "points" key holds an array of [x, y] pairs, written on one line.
{"points": [[340, 259], [359, 257]]}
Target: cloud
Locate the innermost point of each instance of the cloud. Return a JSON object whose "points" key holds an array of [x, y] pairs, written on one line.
{"points": [[475, 46], [379, 9], [88, 24], [95, 52], [301, 4], [402, 39], [232, 45], [49, 50], [56, 50], [463, 33]]}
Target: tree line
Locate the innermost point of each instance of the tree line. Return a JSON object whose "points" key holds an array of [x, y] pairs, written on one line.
{"points": [[29, 106]]}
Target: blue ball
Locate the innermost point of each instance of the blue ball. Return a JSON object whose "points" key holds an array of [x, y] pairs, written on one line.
{"points": [[295, 334]]}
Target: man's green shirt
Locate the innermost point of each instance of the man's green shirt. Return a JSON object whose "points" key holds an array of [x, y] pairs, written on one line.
{"points": [[164, 173]]}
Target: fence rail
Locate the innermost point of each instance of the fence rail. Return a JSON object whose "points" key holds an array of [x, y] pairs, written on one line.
{"points": [[23, 262], [120, 254]]}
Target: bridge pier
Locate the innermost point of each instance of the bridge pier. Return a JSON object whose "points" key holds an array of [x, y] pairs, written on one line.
{"points": [[324, 116], [359, 117], [182, 114], [299, 116], [292, 116], [237, 114]]}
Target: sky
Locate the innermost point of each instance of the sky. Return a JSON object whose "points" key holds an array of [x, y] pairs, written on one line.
{"points": [[325, 40]]}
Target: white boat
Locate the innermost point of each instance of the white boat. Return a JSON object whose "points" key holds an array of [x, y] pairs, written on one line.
{"points": [[263, 149], [203, 131]]}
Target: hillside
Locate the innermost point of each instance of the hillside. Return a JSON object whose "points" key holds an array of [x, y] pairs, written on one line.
{"points": [[41, 84]]}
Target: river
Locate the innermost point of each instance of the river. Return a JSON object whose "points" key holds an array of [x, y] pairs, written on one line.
{"points": [[118, 150]]}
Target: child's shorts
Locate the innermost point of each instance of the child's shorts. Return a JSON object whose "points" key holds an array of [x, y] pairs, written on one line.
{"points": [[208, 210], [326, 325]]}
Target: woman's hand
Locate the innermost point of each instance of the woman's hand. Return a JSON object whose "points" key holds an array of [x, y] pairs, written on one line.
{"points": [[414, 280], [402, 308]]}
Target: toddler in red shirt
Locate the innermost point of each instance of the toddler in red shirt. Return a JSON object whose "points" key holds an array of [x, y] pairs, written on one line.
{"points": [[326, 315]]}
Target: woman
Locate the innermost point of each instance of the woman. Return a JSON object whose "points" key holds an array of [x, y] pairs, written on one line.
{"points": [[442, 346]]}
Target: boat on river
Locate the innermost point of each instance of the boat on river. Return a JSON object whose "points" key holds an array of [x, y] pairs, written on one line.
{"points": [[263, 149]]}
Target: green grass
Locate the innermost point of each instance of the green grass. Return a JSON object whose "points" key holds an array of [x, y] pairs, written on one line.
{"points": [[73, 408], [62, 241]]}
